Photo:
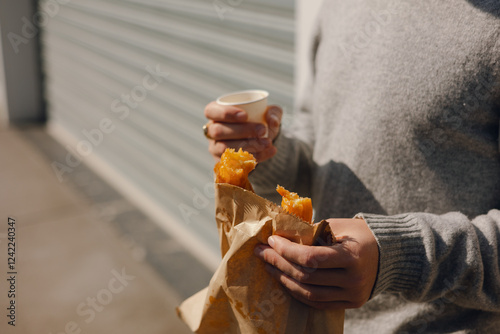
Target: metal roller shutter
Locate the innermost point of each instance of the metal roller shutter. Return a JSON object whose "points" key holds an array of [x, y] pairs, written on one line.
{"points": [[127, 81]]}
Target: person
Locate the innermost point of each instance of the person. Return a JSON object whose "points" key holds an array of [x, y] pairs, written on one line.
{"points": [[398, 135]]}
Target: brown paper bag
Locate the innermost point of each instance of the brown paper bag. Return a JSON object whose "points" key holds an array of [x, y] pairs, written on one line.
{"points": [[242, 296]]}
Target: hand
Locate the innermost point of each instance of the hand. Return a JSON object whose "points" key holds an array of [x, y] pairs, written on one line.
{"points": [[228, 129], [327, 277]]}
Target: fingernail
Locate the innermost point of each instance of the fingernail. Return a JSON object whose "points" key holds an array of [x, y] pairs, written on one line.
{"points": [[241, 116], [261, 131], [275, 121], [270, 241]]}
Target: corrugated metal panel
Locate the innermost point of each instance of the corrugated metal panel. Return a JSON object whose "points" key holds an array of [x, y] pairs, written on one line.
{"points": [[97, 58]]}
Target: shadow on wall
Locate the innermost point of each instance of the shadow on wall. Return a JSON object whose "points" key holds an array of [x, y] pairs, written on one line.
{"points": [[489, 6], [337, 177]]}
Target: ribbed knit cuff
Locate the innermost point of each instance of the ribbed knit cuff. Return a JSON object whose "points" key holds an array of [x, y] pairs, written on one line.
{"points": [[401, 250]]}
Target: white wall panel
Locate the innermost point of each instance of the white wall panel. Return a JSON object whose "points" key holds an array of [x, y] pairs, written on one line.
{"points": [[96, 56]]}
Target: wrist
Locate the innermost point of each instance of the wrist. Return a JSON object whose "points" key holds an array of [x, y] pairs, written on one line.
{"points": [[401, 253]]}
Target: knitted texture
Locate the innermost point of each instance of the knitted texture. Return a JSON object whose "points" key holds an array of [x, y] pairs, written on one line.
{"points": [[401, 126]]}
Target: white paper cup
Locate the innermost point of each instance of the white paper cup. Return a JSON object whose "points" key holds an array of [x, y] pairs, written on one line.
{"points": [[254, 102]]}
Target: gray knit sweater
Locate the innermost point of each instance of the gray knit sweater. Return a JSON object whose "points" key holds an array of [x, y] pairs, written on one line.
{"points": [[402, 125]]}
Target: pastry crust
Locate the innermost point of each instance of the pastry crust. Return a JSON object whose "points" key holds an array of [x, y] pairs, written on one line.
{"points": [[296, 205], [234, 167]]}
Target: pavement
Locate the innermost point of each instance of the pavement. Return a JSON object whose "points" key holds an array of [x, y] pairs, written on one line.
{"points": [[86, 260]]}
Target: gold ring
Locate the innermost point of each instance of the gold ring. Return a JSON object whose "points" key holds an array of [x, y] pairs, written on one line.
{"points": [[205, 130]]}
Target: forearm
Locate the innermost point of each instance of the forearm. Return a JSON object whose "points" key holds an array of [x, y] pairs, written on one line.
{"points": [[426, 257]]}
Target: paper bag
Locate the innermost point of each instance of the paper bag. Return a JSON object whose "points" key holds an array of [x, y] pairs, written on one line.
{"points": [[242, 296]]}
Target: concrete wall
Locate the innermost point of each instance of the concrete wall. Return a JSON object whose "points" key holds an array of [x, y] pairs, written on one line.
{"points": [[20, 84], [4, 118], [21, 70]]}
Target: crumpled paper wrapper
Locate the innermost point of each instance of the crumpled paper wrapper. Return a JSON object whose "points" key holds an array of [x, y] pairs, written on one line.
{"points": [[242, 296]]}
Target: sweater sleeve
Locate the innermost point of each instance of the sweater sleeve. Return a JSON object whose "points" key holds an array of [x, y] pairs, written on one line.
{"points": [[292, 165], [425, 257], [290, 168]]}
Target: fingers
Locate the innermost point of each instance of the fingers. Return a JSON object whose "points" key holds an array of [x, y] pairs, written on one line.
{"points": [[228, 114], [319, 288], [342, 275], [266, 154], [231, 131], [233, 114], [273, 118], [321, 297], [304, 275], [227, 125], [310, 256], [261, 149], [228, 129], [255, 146]]}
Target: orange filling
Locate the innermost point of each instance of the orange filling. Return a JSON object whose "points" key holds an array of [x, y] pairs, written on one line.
{"points": [[298, 206], [234, 167]]}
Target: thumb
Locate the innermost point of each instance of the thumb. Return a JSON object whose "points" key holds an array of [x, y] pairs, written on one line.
{"points": [[273, 118]]}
